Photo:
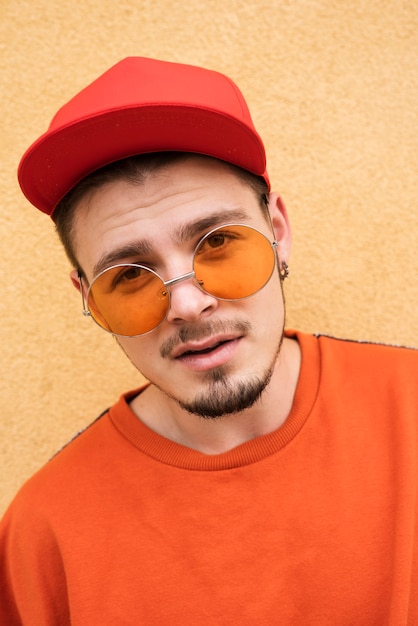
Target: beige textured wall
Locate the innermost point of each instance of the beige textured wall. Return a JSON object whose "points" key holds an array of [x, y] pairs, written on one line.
{"points": [[333, 87]]}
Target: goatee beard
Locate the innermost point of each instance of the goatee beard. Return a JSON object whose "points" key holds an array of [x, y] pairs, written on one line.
{"points": [[225, 397]]}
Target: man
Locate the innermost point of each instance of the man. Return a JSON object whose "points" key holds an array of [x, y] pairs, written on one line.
{"points": [[262, 476]]}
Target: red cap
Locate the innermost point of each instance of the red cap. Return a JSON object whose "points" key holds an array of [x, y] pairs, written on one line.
{"points": [[139, 106]]}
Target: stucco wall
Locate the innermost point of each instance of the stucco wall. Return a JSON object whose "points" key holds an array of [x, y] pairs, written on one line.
{"points": [[333, 87]]}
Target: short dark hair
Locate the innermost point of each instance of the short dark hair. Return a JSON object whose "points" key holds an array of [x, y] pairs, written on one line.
{"points": [[135, 170]]}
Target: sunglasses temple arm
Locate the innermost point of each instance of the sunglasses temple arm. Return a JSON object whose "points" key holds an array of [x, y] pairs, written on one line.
{"points": [[86, 312]]}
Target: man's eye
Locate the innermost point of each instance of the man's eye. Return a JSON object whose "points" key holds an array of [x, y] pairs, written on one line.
{"points": [[217, 240], [130, 273]]}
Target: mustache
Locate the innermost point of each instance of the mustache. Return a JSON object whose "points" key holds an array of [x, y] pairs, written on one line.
{"points": [[203, 331]]}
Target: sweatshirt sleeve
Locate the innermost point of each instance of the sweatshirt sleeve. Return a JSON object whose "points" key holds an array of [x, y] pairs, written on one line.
{"points": [[33, 588]]}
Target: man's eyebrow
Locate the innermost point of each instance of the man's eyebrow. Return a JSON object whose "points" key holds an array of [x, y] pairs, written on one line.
{"points": [[143, 247], [193, 229], [131, 249]]}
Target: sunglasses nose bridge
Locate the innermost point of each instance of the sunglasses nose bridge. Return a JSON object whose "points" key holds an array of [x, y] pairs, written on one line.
{"points": [[179, 279]]}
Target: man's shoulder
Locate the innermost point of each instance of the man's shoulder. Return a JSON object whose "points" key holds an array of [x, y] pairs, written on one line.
{"points": [[77, 474], [358, 348], [63, 471], [373, 369], [374, 363], [79, 436]]}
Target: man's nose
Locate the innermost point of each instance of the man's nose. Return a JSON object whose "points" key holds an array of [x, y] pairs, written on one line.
{"points": [[187, 301]]}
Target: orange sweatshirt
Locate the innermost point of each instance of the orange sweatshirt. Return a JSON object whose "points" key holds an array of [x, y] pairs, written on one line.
{"points": [[314, 524]]}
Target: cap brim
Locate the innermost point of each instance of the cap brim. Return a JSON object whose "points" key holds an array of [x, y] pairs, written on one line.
{"points": [[59, 160]]}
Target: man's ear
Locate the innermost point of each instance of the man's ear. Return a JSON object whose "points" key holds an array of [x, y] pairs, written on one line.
{"points": [[76, 280], [281, 225]]}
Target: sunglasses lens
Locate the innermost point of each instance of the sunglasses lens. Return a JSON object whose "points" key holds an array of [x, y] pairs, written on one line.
{"points": [[234, 262], [128, 300]]}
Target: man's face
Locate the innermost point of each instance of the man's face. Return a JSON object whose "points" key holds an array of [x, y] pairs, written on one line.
{"points": [[210, 356]]}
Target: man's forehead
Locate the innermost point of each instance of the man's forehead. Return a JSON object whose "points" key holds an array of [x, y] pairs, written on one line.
{"points": [[184, 184]]}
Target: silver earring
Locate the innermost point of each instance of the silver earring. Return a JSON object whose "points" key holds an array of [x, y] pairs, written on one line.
{"points": [[284, 270]]}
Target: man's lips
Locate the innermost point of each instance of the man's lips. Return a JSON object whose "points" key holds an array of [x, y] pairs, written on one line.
{"points": [[207, 336], [208, 355], [202, 347], [205, 350]]}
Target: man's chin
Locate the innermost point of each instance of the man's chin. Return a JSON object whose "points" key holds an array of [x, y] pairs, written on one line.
{"points": [[224, 397]]}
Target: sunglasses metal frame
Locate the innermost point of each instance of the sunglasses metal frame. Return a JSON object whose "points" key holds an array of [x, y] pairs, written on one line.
{"points": [[173, 281]]}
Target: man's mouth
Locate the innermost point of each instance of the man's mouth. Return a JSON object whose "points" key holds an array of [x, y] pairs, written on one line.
{"points": [[192, 341], [204, 350], [207, 356]]}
